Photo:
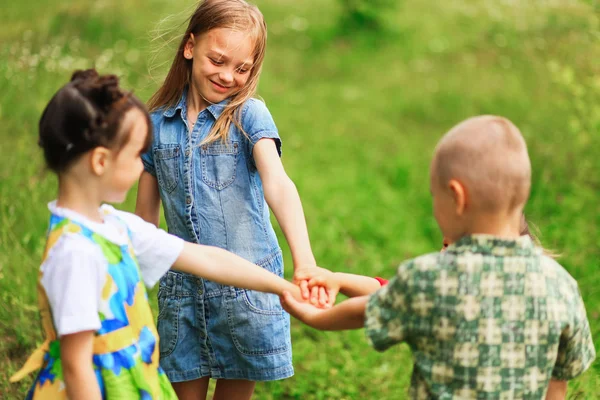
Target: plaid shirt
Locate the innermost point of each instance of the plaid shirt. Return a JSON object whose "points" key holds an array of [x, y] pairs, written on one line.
{"points": [[487, 319]]}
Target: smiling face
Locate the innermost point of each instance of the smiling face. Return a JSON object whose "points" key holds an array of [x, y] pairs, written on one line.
{"points": [[221, 63]]}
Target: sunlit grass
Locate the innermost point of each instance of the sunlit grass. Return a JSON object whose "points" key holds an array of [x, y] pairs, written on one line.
{"points": [[359, 117]]}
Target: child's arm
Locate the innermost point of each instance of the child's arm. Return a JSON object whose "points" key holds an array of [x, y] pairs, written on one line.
{"points": [[283, 198], [226, 268], [349, 314], [353, 285], [78, 370], [557, 390], [147, 204]]}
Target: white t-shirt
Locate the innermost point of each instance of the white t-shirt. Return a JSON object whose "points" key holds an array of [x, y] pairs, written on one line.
{"points": [[74, 272]]}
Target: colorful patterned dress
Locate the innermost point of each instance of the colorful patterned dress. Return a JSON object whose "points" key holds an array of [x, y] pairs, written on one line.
{"points": [[125, 352]]}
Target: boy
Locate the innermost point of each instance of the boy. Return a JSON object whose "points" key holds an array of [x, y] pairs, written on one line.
{"points": [[491, 317]]}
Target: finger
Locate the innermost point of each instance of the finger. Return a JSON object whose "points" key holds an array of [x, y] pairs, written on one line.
{"points": [[314, 297], [322, 296], [304, 290]]}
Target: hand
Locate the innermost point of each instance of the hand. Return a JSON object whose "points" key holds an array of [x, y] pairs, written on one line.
{"points": [[305, 312], [318, 284]]}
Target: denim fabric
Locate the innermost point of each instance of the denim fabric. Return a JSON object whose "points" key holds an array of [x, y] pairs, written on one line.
{"points": [[225, 334], [213, 195]]}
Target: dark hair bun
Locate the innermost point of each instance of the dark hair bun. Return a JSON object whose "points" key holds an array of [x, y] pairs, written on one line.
{"points": [[103, 90], [85, 113], [84, 75]]}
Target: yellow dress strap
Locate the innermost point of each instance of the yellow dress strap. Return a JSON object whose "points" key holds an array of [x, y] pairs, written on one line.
{"points": [[33, 363], [103, 344]]}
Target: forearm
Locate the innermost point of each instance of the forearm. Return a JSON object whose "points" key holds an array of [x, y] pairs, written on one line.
{"points": [[283, 198], [226, 268], [352, 285], [557, 390], [80, 382], [147, 205], [349, 314]]}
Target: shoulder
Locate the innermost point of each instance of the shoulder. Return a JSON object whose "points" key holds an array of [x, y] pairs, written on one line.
{"points": [[558, 274], [72, 251], [254, 106], [133, 222], [424, 263], [255, 111]]}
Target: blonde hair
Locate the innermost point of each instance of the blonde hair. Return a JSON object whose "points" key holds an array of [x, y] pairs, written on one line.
{"points": [[525, 230], [212, 14]]}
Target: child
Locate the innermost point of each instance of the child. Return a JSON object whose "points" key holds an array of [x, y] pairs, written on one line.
{"points": [[100, 336], [215, 165], [492, 316]]}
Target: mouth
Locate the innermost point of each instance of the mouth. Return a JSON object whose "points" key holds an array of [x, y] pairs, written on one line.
{"points": [[219, 88]]}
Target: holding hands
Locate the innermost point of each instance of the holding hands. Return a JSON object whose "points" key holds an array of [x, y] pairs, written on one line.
{"points": [[318, 286]]}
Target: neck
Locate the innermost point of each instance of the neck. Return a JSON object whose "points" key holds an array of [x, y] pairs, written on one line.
{"points": [[195, 102], [505, 226], [79, 197]]}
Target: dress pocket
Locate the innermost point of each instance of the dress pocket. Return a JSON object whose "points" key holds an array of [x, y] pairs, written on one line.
{"points": [[257, 322], [167, 323], [219, 163], [167, 159]]}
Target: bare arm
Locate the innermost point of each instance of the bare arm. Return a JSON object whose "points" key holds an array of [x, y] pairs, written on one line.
{"points": [[226, 268], [353, 285], [78, 370], [349, 314], [147, 205], [557, 390], [282, 196]]}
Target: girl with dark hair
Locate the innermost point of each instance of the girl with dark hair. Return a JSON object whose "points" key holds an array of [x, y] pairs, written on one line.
{"points": [[101, 341]]}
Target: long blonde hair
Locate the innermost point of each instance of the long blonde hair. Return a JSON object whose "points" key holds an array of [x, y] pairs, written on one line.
{"points": [[212, 14], [525, 230]]}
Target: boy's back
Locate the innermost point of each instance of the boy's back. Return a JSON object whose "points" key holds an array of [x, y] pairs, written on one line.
{"points": [[488, 318]]}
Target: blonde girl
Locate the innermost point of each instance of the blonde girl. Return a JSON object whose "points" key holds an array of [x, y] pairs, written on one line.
{"points": [[215, 165]]}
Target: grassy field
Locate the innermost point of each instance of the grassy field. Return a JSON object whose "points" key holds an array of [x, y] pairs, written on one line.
{"points": [[359, 116]]}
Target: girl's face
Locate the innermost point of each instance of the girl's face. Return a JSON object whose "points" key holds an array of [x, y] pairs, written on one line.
{"points": [[124, 166], [221, 63]]}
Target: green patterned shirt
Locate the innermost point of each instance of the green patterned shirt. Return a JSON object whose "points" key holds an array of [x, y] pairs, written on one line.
{"points": [[486, 319]]}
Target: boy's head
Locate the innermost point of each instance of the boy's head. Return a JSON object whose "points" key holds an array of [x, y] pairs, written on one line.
{"points": [[480, 172]]}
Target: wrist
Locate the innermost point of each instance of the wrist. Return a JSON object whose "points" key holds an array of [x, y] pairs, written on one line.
{"points": [[306, 260]]}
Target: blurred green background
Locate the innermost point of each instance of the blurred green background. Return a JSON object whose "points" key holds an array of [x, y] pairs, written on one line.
{"points": [[361, 91]]}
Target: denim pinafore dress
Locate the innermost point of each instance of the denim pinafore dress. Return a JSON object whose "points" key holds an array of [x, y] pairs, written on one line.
{"points": [[212, 194]]}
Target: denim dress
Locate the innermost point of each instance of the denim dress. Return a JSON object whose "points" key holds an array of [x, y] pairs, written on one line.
{"points": [[212, 194]]}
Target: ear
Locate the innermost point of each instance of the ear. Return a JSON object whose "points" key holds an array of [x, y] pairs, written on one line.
{"points": [[188, 49], [459, 194], [99, 159]]}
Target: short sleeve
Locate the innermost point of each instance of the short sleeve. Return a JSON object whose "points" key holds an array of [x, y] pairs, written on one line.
{"points": [[155, 249], [258, 124], [73, 275], [576, 350], [386, 315], [147, 157]]}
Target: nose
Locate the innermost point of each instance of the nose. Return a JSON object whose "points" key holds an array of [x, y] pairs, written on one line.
{"points": [[226, 77]]}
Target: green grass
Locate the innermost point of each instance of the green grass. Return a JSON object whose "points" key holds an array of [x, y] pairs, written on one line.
{"points": [[359, 116]]}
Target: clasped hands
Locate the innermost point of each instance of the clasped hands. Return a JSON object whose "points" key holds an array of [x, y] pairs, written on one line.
{"points": [[318, 289]]}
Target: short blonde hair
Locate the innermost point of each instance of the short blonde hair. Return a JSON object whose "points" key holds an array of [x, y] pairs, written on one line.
{"points": [[488, 155]]}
